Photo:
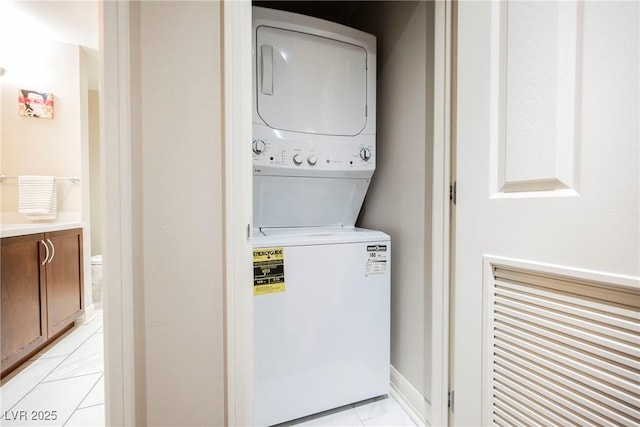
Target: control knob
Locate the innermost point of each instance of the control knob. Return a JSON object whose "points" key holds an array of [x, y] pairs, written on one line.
{"points": [[365, 154], [258, 146], [297, 159], [312, 160]]}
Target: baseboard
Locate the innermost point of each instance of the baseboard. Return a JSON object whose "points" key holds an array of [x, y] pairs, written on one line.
{"points": [[89, 313], [410, 399]]}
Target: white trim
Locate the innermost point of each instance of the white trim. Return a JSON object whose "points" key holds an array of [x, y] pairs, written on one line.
{"points": [[564, 193], [610, 279], [85, 184], [441, 214], [487, 353], [115, 113], [238, 212], [410, 399], [89, 313]]}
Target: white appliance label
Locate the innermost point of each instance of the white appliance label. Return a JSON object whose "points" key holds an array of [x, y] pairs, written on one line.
{"points": [[376, 259]]}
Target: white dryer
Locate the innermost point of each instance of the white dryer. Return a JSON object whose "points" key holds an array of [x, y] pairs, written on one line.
{"points": [[314, 120], [321, 285]]}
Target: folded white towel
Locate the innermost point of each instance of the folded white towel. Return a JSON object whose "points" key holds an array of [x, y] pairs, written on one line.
{"points": [[37, 197]]}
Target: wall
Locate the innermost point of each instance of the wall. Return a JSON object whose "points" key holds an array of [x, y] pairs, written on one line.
{"points": [[32, 146], [178, 212], [95, 172], [1, 91], [399, 199]]}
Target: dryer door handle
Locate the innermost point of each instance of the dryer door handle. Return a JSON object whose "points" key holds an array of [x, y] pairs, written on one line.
{"points": [[266, 52]]}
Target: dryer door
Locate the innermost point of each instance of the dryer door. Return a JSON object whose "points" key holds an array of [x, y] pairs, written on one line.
{"points": [[310, 84]]}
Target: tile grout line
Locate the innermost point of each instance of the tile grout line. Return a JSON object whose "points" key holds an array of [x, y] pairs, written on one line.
{"points": [[68, 334], [36, 385], [92, 387], [87, 407], [65, 359], [353, 407], [72, 377], [397, 409], [49, 373], [82, 400], [78, 376], [90, 390]]}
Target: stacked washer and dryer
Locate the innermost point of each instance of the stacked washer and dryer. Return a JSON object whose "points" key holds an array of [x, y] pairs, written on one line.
{"points": [[321, 285]]}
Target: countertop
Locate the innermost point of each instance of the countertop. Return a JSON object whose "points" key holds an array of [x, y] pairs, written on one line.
{"points": [[20, 229]]}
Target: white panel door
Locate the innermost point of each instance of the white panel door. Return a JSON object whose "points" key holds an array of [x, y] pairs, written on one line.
{"points": [[310, 84], [547, 178]]}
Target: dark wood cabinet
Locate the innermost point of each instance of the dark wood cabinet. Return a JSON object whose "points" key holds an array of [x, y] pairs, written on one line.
{"points": [[24, 326], [42, 291], [64, 280]]}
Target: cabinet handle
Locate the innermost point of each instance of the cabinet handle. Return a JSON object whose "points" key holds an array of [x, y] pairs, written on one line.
{"points": [[53, 250], [46, 247]]}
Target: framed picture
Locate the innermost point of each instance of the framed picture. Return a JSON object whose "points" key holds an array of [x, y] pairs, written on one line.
{"points": [[32, 103]]}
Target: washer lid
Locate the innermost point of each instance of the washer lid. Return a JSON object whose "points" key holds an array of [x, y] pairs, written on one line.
{"points": [[311, 84], [306, 236]]}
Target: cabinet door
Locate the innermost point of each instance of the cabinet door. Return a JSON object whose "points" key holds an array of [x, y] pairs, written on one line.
{"points": [[23, 297], [64, 279]]}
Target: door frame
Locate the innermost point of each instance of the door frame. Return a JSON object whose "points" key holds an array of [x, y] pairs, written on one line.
{"points": [[115, 113], [237, 21], [238, 166], [441, 211], [120, 186]]}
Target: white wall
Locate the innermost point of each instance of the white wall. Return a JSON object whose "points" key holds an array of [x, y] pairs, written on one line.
{"points": [[33, 146], [95, 172], [1, 86], [399, 199], [178, 204]]}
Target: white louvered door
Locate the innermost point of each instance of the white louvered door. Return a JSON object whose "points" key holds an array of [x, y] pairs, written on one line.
{"points": [[546, 294]]}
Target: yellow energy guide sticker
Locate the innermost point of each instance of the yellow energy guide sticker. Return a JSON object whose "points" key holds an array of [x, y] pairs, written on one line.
{"points": [[268, 271]]}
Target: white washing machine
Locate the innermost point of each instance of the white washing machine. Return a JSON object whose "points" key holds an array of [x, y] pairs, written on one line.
{"points": [[321, 320], [321, 285]]}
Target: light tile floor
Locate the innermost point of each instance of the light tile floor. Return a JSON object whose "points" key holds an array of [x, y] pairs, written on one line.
{"points": [[63, 385], [65, 382], [381, 411]]}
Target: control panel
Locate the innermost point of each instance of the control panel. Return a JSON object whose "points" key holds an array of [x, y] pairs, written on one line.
{"points": [[313, 155]]}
